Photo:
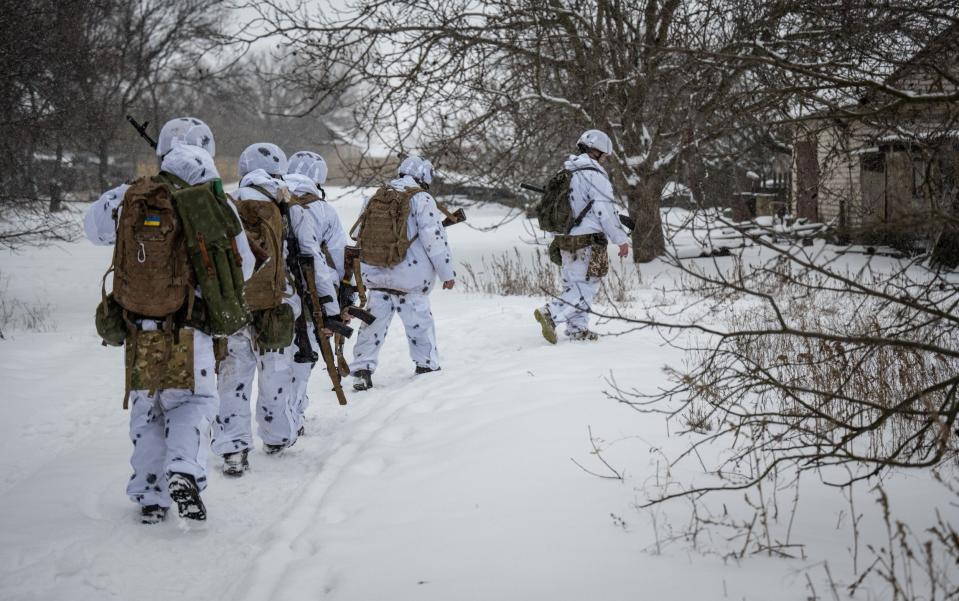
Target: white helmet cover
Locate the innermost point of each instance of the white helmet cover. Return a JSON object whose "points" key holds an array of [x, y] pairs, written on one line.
{"points": [[309, 164], [185, 130], [265, 156], [190, 163], [593, 138], [418, 168]]}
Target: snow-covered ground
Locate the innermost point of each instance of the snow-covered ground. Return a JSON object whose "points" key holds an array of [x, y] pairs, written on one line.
{"points": [[449, 486]]}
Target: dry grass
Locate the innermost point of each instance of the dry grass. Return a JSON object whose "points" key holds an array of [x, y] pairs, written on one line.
{"points": [[16, 314], [512, 274]]}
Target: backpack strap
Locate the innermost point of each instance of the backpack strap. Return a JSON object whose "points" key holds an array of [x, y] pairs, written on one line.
{"points": [[304, 200], [263, 191], [579, 218], [174, 180]]}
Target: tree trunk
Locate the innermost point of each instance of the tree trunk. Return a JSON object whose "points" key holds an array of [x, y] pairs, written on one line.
{"points": [[56, 199], [644, 203], [103, 153]]}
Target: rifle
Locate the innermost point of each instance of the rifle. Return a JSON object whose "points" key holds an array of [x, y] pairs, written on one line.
{"points": [[142, 130], [457, 216], [626, 220], [303, 270], [352, 284], [346, 297]]}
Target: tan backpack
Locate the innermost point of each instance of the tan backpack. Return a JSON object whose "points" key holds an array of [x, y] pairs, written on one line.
{"points": [[383, 238], [152, 276], [264, 229]]}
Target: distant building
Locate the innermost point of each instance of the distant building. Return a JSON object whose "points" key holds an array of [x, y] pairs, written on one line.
{"points": [[886, 174]]}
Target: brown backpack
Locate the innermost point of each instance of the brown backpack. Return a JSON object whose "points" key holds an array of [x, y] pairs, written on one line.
{"points": [[264, 229], [152, 276], [383, 238]]}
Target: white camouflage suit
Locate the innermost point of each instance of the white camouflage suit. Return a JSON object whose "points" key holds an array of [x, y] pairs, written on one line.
{"points": [[316, 224], [277, 423], [589, 183], [428, 257], [170, 430]]}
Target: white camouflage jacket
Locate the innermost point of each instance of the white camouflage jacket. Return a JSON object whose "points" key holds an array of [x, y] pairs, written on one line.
{"points": [[428, 257], [592, 183]]}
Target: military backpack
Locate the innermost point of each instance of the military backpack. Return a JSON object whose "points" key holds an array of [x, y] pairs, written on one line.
{"points": [[264, 229], [553, 211], [383, 237], [171, 239], [151, 272]]}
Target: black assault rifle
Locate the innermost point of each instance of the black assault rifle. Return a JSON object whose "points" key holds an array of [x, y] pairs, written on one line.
{"points": [[142, 130], [303, 270], [626, 220]]}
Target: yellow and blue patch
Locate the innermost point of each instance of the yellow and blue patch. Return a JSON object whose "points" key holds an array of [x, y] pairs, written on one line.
{"points": [[152, 221]]}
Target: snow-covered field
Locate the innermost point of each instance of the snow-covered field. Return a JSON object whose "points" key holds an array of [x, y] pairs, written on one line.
{"points": [[450, 486]]}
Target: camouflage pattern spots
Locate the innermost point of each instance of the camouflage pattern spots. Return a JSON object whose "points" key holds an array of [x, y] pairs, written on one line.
{"points": [[417, 321], [598, 262]]}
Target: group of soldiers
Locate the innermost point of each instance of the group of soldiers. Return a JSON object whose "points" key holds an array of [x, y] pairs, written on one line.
{"points": [[189, 379]]}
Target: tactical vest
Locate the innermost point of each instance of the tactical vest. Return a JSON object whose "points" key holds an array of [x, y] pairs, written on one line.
{"points": [[383, 237]]}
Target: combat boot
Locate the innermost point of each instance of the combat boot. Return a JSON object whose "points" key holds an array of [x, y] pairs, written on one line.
{"points": [[273, 449], [186, 494], [425, 370], [362, 380], [234, 464], [584, 335], [546, 323], [152, 514]]}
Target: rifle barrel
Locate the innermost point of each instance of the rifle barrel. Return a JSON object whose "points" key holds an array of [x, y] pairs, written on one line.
{"points": [[532, 188], [142, 130]]}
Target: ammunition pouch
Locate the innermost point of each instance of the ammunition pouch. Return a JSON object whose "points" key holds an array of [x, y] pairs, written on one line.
{"points": [[273, 328], [111, 326], [159, 360], [598, 262], [573, 244]]}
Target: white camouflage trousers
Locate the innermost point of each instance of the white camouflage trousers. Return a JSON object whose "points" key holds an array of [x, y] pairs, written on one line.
{"points": [[170, 430], [274, 415], [573, 305], [414, 311]]}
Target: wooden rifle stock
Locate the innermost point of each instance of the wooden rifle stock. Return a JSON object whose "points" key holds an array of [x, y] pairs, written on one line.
{"points": [[313, 305]]}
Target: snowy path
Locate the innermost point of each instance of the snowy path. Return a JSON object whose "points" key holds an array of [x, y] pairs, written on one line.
{"points": [[453, 485]]}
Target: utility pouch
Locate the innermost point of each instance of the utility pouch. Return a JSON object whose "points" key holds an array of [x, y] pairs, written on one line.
{"points": [[555, 253], [159, 360], [273, 328], [572, 244], [598, 261], [111, 326]]}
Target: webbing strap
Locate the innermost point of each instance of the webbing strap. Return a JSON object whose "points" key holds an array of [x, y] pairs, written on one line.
{"points": [[262, 191]]}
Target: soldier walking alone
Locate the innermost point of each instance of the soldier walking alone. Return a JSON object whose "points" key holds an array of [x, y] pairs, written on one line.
{"points": [[579, 207]]}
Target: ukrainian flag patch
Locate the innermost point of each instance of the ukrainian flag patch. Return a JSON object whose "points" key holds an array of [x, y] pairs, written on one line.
{"points": [[152, 221]]}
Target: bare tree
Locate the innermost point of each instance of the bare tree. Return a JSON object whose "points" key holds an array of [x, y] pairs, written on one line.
{"points": [[71, 71], [505, 87]]}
